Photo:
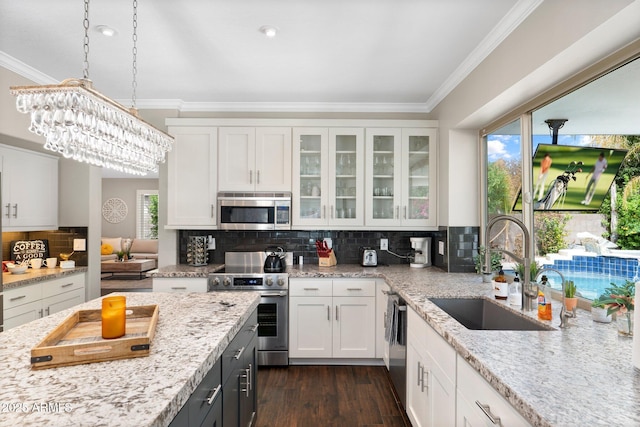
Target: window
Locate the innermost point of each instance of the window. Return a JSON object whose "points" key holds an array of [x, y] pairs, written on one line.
{"points": [[147, 214]]}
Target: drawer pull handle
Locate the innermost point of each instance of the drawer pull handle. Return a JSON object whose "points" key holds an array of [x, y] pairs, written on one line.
{"points": [[239, 353], [354, 289], [178, 288], [214, 394], [67, 285], [311, 289], [254, 328], [487, 411], [17, 298]]}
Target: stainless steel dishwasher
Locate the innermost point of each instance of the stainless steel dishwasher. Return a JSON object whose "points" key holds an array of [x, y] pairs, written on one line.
{"points": [[397, 338]]}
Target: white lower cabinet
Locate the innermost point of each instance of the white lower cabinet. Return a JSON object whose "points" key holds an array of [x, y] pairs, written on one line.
{"points": [[27, 303], [382, 345], [180, 284], [479, 404], [431, 375], [332, 318]]}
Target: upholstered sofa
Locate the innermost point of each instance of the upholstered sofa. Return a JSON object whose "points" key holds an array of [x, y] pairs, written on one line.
{"points": [[140, 248]]}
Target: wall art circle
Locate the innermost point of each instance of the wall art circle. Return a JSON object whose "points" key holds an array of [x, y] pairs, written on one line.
{"points": [[114, 210]]}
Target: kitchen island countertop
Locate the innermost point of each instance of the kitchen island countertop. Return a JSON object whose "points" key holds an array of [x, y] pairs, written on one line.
{"points": [[192, 332]]}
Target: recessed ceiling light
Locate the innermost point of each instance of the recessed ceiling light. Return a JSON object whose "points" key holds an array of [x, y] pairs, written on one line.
{"points": [[269, 31], [106, 30]]}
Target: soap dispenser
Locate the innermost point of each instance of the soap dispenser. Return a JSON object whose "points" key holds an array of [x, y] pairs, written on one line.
{"points": [[515, 292], [500, 286]]}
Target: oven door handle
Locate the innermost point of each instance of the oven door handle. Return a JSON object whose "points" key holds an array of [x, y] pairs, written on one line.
{"points": [[274, 294]]}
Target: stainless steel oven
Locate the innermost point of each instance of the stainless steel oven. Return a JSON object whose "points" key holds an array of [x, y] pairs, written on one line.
{"points": [[244, 271]]}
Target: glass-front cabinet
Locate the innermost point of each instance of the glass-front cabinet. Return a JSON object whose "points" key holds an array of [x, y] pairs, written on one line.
{"points": [[400, 177], [328, 172]]}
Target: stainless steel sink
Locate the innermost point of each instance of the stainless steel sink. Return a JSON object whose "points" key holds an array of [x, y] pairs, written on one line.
{"points": [[484, 314]]}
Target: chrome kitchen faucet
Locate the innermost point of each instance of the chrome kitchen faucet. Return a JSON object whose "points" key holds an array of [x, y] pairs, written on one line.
{"points": [[529, 292]]}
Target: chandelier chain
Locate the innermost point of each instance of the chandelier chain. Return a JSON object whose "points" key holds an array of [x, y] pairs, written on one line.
{"points": [[85, 24], [134, 83]]}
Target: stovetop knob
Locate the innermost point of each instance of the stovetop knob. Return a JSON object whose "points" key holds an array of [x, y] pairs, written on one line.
{"points": [[227, 281], [269, 281], [281, 281], [216, 281]]}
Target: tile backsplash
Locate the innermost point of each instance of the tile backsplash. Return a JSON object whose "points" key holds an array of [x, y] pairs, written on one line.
{"points": [[60, 240]]}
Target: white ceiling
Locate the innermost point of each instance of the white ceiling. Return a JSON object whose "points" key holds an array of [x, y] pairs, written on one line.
{"points": [[385, 55]]}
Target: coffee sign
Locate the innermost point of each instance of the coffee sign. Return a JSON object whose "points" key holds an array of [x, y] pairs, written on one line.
{"points": [[24, 250]]}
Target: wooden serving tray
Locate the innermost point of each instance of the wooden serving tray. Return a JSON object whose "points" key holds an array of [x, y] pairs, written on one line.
{"points": [[78, 339]]}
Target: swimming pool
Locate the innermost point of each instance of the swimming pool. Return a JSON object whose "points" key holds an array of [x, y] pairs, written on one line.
{"points": [[587, 285]]}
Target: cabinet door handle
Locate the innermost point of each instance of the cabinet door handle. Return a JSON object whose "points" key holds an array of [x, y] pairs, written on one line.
{"points": [[15, 210], [47, 311], [212, 211], [17, 298], [324, 211], [8, 210], [238, 353], [258, 176], [250, 177], [487, 411], [40, 313], [405, 212], [215, 392], [424, 382], [331, 211], [397, 211], [249, 377], [336, 312], [247, 382], [420, 371], [329, 313]]}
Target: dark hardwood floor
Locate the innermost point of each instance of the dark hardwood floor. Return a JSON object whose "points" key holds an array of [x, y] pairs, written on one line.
{"points": [[340, 396]]}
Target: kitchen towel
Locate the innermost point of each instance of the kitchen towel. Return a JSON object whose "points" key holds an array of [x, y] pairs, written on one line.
{"points": [[635, 352]]}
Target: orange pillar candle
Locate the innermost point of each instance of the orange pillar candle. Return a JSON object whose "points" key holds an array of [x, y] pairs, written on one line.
{"points": [[113, 317]]}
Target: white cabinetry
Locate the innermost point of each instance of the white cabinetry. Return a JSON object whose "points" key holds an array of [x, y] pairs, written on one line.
{"points": [[431, 375], [254, 159], [382, 345], [479, 404], [180, 284], [401, 177], [332, 318], [29, 190], [192, 178], [328, 177], [31, 302]]}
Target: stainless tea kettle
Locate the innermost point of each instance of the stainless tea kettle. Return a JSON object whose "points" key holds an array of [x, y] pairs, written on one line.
{"points": [[274, 263]]}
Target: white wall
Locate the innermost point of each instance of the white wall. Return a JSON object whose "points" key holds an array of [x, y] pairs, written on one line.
{"points": [[556, 41], [126, 190]]}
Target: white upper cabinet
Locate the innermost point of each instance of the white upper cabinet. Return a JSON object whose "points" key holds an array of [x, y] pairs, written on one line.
{"points": [[254, 159], [192, 178], [29, 190], [328, 177], [401, 177]]}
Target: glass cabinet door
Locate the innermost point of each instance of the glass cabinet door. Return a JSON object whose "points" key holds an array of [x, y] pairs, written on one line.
{"points": [[310, 176], [346, 176], [383, 179], [419, 177]]}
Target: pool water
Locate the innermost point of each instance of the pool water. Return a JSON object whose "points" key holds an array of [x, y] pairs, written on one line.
{"points": [[588, 286]]}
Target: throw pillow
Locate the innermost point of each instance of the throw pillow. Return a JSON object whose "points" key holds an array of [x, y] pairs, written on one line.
{"points": [[106, 249], [115, 242]]}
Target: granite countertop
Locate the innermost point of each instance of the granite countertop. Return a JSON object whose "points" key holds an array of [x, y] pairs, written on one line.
{"points": [[582, 375], [31, 276], [192, 332], [185, 271]]}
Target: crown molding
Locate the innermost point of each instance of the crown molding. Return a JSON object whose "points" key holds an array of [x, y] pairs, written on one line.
{"points": [[507, 24], [26, 71]]}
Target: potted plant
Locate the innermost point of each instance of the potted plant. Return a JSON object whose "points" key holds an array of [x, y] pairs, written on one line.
{"points": [[533, 271], [619, 299], [496, 260], [570, 299], [599, 310]]}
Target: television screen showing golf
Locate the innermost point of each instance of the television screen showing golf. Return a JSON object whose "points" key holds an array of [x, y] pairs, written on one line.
{"points": [[572, 178]]}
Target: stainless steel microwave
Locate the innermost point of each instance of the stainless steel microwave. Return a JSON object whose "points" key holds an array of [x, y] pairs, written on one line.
{"points": [[254, 211]]}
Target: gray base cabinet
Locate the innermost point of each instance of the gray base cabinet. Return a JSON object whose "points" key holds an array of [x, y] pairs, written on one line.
{"points": [[227, 395]]}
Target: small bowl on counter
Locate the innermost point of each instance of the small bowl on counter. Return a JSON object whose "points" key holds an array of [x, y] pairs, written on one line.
{"points": [[16, 268]]}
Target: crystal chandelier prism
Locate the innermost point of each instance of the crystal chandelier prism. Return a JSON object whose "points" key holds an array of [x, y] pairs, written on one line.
{"points": [[84, 125]]}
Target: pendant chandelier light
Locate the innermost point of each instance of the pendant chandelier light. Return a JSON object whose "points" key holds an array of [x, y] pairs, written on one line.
{"points": [[84, 125]]}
